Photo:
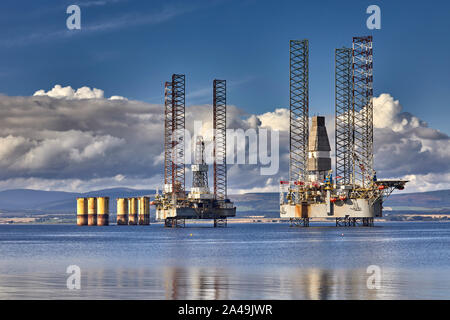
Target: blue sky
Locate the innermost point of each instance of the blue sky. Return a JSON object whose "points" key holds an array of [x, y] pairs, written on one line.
{"points": [[130, 48], [79, 141]]}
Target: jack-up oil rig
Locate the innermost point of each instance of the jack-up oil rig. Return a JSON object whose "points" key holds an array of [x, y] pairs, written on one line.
{"points": [[175, 205], [355, 196]]}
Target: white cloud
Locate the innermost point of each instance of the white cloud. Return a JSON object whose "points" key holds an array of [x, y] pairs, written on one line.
{"points": [[277, 120], [405, 147], [427, 182], [63, 134], [117, 98], [59, 92], [404, 144], [76, 140]]}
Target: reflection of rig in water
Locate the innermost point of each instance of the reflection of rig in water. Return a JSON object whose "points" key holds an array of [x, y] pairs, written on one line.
{"points": [[175, 204], [290, 283], [355, 196]]}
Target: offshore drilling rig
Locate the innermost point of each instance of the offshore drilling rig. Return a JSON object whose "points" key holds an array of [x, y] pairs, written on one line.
{"points": [[355, 196], [175, 205]]}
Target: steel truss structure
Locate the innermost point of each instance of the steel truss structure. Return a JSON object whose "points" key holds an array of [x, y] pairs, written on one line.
{"points": [[220, 223], [175, 204], [354, 112], [174, 223], [353, 222], [299, 222], [178, 138], [362, 111], [299, 108], [168, 130], [343, 114], [220, 138], [200, 177]]}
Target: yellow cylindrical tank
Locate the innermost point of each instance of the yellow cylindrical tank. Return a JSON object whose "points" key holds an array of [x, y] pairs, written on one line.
{"points": [[132, 211], [103, 211], [82, 212], [144, 210], [92, 211], [122, 211]]}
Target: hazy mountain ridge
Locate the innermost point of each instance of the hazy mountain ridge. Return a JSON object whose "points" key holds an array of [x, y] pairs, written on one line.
{"points": [[430, 199], [38, 201], [423, 202]]}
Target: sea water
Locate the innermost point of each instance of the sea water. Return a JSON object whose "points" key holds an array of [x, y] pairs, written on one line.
{"points": [[242, 261]]}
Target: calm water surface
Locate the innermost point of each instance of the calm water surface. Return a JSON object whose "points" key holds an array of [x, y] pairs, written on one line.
{"points": [[243, 261]]}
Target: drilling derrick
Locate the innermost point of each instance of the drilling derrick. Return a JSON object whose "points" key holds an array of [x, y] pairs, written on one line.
{"points": [[220, 139], [355, 196], [200, 169], [299, 109], [175, 204]]}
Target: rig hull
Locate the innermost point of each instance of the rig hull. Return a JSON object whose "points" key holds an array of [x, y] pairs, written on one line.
{"points": [[194, 213], [351, 208]]}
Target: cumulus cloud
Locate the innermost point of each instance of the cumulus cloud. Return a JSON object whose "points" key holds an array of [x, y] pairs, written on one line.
{"points": [[66, 135], [77, 140], [404, 135], [60, 92], [404, 146], [277, 120]]}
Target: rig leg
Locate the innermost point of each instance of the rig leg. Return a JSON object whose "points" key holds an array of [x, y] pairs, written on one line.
{"points": [[345, 222], [220, 223], [367, 222], [174, 223], [354, 222], [299, 222], [305, 222]]}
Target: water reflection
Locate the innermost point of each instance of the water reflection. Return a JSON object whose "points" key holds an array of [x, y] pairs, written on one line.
{"points": [[216, 283]]}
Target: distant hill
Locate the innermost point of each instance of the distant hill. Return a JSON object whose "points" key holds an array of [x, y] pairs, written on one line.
{"points": [[37, 201], [433, 199], [267, 204], [25, 199], [426, 202], [29, 201]]}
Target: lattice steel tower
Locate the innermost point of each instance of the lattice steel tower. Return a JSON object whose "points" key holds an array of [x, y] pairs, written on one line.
{"points": [[354, 112], [362, 107], [168, 120], [343, 114], [220, 138], [178, 138], [299, 108]]}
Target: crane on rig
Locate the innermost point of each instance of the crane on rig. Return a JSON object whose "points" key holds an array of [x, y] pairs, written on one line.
{"points": [[355, 196]]}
